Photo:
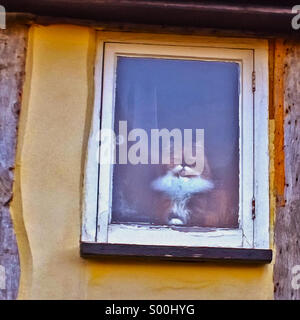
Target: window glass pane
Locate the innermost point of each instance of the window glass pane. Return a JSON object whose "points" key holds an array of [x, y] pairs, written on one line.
{"points": [[156, 93]]}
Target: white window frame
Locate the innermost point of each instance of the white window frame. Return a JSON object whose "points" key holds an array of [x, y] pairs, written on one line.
{"points": [[252, 55]]}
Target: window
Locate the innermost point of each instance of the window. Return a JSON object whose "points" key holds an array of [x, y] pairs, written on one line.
{"points": [[182, 144]]}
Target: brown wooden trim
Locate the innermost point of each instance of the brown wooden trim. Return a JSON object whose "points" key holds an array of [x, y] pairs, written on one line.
{"points": [[88, 250], [112, 26], [258, 16], [278, 101], [287, 224], [271, 79]]}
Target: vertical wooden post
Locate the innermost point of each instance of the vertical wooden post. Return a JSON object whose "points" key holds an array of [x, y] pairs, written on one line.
{"points": [[278, 101], [13, 42], [287, 166]]}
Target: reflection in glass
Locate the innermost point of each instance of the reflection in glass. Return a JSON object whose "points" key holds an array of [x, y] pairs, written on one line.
{"points": [[185, 94]]}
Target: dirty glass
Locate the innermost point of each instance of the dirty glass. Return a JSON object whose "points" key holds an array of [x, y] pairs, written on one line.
{"points": [[154, 93]]}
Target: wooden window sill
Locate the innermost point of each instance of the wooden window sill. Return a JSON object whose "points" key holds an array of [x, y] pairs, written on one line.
{"points": [[245, 255]]}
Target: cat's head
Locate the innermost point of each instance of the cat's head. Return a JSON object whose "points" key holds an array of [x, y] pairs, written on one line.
{"points": [[180, 180]]}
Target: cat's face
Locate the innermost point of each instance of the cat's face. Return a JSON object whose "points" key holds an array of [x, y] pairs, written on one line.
{"points": [[180, 182], [181, 170]]}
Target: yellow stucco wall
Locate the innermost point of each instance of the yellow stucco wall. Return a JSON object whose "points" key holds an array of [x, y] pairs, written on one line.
{"points": [[53, 134]]}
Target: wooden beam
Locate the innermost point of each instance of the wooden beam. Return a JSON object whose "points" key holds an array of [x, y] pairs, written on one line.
{"points": [[287, 225], [278, 101], [13, 44], [224, 15]]}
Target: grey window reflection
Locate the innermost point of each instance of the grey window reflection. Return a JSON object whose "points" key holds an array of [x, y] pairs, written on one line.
{"points": [[186, 94]]}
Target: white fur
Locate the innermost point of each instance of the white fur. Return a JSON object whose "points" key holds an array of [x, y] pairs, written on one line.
{"points": [[181, 187], [176, 221]]}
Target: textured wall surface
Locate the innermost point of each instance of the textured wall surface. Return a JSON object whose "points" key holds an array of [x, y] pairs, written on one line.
{"points": [[13, 43], [54, 128], [287, 226]]}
